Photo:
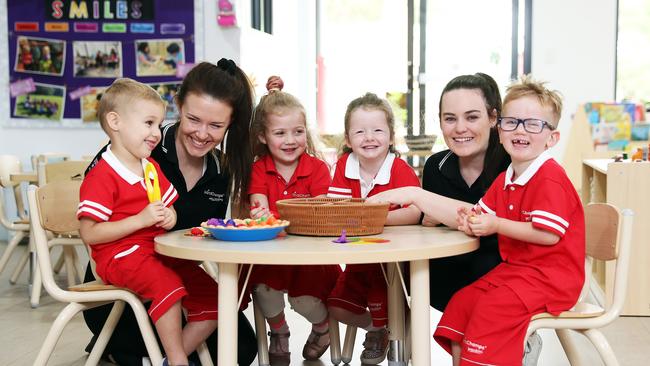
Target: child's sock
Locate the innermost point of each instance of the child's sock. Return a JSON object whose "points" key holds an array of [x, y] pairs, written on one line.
{"points": [[321, 327], [280, 325], [372, 328]]}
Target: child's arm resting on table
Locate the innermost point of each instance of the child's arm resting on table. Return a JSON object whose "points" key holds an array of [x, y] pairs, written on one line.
{"points": [[95, 232], [485, 224]]}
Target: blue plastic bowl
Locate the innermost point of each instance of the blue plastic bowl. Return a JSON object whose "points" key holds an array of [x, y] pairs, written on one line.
{"points": [[254, 234]]}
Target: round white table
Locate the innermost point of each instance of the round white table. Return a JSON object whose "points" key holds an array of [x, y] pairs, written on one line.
{"points": [[413, 243]]}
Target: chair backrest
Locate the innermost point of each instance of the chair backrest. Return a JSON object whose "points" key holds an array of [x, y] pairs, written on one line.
{"points": [[609, 237], [50, 157], [9, 164], [602, 223], [52, 207], [61, 171]]}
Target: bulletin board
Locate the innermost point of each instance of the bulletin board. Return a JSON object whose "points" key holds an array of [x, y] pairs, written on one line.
{"points": [[63, 54]]}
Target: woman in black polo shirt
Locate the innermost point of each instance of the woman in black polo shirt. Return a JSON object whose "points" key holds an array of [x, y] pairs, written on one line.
{"points": [[212, 100], [469, 108]]}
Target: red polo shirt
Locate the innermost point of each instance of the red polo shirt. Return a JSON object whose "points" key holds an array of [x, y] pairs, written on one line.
{"points": [[310, 179], [394, 173], [111, 192], [543, 195]]}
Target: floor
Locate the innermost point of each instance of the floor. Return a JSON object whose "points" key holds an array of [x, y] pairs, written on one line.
{"points": [[24, 329]]}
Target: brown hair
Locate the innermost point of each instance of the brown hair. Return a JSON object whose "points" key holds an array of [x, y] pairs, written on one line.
{"points": [[227, 83], [370, 101], [122, 93], [495, 154], [527, 86], [276, 102]]}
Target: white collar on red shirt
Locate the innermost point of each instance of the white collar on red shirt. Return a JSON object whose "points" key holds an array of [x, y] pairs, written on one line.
{"points": [[528, 173], [120, 169], [383, 175]]}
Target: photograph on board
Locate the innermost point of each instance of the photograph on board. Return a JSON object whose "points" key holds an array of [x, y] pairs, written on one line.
{"points": [[168, 91], [97, 59], [40, 55], [157, 57], [89, 103], [46, 102]]}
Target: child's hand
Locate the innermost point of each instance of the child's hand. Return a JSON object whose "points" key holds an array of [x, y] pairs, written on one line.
{"points": [[484, 225], [168, 221], [257, 211], [153, 214]]}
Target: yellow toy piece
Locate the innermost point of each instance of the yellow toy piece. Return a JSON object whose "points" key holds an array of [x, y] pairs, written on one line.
{"points": [[151, 181]]}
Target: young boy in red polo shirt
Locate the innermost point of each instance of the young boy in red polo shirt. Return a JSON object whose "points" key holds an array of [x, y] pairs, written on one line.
{"points": [[119, 222], [539, 220]]}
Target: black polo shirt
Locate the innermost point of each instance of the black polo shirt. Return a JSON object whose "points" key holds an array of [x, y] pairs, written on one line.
{"points": [[441, 175], [207, 199]]}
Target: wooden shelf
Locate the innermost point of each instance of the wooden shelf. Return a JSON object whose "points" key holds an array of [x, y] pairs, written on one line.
{"points": [[625, 185]]}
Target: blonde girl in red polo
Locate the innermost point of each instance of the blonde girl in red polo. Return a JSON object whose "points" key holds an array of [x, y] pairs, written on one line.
{"points": [[369, 165], [287, 167]]}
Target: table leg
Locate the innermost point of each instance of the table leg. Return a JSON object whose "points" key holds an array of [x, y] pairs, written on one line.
{"points": [[395, 316], [420, 319], [227, 343]]}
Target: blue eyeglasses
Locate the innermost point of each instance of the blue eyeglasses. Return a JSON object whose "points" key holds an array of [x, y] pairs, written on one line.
{"points": [[531, 125]]}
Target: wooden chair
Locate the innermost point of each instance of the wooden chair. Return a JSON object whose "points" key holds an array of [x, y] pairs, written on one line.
{"points": [[10, 164], [608, 237], [65, 170], [53, 208]]}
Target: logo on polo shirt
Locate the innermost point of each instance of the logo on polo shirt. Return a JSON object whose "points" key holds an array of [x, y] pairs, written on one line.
{"points": [[475, 348], [300, 195], [526, 215], [214, 196]]}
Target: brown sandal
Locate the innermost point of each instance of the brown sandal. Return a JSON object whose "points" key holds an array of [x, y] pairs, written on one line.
{"points": [[278, 357], [312, 349]]}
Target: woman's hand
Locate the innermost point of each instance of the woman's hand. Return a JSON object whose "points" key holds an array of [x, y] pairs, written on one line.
{"points": [[402, 196], [462, 220]]}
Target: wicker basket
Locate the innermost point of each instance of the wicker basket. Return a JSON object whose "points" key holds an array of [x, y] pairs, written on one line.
{"points": [[328, 216]]}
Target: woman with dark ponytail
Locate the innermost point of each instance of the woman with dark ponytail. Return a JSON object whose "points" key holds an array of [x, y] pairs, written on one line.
{"points": [[469, 108], [206, 155]]}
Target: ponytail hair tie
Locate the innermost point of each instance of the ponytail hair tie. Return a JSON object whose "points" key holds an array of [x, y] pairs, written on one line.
{"points": [[227, 65], [274, 84]]}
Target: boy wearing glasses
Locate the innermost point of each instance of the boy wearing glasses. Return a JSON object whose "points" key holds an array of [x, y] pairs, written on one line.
{"points": [[539, 220]]}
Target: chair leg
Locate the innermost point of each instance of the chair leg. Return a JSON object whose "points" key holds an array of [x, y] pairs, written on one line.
{"points": [[204, 355], [209, 268], [59, 263], [11, 246], [55, 332], [262, 342], [68, 258], [19, 267], [105, 334], [37, 284], [602, 346], [78, 267], [335, 341], [569, 345], [348, 343], [146, 330]]}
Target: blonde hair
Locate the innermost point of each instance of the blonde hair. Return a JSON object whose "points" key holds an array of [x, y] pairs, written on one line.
{"points": [[276, 102], [370, 101], [122, 93], [527, 86]]}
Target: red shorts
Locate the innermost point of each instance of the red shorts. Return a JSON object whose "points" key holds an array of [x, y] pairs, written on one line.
{"points": [[312, 280], [362, 287], [488, 321], [165, 281]]}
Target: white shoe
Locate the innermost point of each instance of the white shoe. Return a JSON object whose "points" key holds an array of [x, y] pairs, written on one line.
{"points": [[532, 350]]}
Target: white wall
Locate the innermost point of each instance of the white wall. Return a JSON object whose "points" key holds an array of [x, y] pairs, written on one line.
{"points": [[574, 49]]}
